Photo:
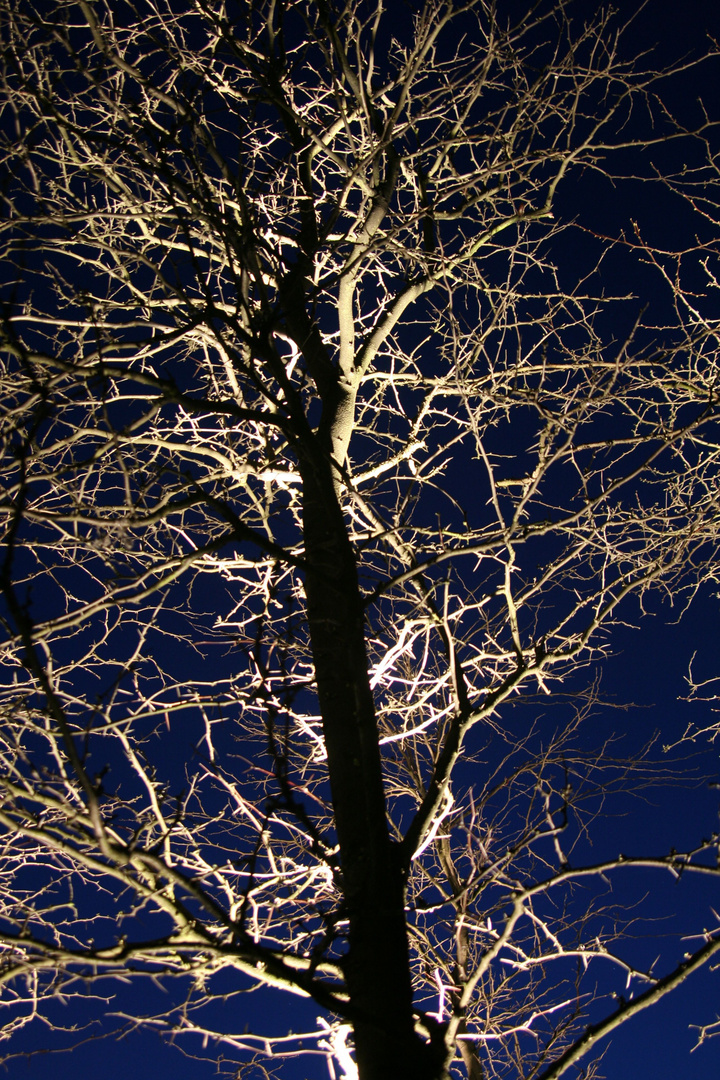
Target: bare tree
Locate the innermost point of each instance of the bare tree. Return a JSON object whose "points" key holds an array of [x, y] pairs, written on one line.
{"points": [[328, 439]]}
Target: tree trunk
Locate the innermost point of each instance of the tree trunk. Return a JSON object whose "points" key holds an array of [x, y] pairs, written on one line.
{"points": [[377, 967]]}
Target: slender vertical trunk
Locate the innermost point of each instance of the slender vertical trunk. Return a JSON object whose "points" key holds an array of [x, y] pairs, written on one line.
{"points": [[377, 968]]}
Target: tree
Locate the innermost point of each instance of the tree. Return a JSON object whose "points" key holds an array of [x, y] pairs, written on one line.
{"points": [[326, 444]]}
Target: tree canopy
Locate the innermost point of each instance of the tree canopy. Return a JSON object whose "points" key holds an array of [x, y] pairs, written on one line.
{"points": [[360, 377]]}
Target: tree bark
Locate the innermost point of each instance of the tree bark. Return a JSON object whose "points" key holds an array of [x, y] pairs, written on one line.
{"points": [[377, 964]]}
